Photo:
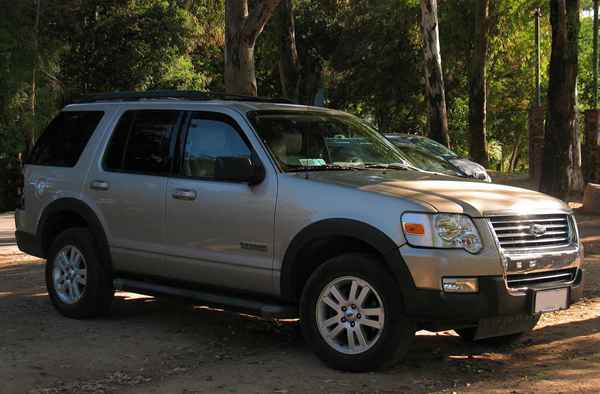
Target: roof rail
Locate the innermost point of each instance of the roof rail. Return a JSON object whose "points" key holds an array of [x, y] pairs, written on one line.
{"points": [[175, 95]]}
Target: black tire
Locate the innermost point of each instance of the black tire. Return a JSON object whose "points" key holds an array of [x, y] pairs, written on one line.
{"points": [[97, 297], [468, 335], [394, 339]]}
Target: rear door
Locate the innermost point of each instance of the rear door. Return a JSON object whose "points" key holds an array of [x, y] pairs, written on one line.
{"points": [[218, 232], [57, 164], [127, 187]]}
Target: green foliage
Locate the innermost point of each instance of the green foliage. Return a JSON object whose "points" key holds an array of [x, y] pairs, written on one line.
{"points": [[377, 63], [585, 84], [90, 46], [364, 54], [97, 46], [148, 36]]}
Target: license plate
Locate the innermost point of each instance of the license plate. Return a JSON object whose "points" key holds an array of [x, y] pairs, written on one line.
{"points": [[551, 300]]}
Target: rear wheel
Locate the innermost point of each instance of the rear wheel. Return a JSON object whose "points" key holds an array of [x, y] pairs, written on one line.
{"points": [[352, 314], [78, 284]]}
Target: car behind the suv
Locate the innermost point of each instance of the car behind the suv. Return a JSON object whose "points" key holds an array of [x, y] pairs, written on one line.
{"points": [[286, 211], [428, 146]]}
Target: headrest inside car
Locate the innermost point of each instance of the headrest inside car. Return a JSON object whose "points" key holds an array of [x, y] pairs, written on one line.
{"points": [[292, 142]]}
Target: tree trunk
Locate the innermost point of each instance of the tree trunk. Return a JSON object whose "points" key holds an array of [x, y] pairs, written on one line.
{"points": [[477, 84], [434, 79], [300, 80], [561, 169], [29, 136], [242, 28], [514, 157], [289, 63]]}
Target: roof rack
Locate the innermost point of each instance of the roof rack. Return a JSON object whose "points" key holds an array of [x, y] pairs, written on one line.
{"points": [[175, 95]]}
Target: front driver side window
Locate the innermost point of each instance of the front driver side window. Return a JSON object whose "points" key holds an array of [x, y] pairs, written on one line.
{"points": [[209, 137]]}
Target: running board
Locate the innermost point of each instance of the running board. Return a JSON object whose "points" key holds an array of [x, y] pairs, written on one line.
{"points": [[262, 309]]}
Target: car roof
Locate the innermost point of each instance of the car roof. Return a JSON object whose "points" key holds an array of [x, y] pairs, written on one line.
{"points": [[240, 106], [403, 136]]}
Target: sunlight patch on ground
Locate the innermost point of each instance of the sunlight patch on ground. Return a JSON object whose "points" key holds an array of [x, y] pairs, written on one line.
{"points": [[448, 333], [208, 308], [586, 309], [44, 294], [132, 296]]}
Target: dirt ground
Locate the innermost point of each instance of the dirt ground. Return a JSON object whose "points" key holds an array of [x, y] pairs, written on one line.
{"points": [[153, 345]]}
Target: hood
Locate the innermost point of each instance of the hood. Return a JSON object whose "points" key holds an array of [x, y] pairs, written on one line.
{"points": [[444, 193]]}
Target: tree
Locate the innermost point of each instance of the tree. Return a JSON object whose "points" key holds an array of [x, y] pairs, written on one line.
{"points": [[300, 61], [434, 80], [30, 134], [242, 27], [477, 83], [289, 62], [149, 37], [561, 165], [361, 80]]}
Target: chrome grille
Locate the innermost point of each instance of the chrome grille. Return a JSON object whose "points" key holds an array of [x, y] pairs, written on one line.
{"points": [[533, 232], [523, 280]]}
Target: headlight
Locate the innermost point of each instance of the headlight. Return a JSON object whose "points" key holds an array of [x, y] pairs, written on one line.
{"points": [[442, 230]]}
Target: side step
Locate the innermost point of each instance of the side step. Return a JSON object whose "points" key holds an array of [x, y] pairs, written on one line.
{"points": [[255, 307]]}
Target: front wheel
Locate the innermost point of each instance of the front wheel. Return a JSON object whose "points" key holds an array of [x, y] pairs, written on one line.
{"points": [[352, 314]]}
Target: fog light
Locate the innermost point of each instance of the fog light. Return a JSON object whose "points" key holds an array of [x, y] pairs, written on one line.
{"points": [[460, 285]]}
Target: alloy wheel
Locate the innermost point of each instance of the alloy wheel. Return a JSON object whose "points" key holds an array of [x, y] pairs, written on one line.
{"points": [[350, 315], [69, 274]]}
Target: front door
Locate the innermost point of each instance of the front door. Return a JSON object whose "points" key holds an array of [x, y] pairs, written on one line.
{"points": [[217, 232]]}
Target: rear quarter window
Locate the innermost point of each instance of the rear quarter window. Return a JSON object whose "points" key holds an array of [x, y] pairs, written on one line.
{"points": [[65, 138]]}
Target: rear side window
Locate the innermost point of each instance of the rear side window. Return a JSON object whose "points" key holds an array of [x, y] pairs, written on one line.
{"points": [[141, 142], [65, 138]]}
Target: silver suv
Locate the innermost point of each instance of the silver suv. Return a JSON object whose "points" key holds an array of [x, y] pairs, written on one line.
{"points": [[287, 211]]}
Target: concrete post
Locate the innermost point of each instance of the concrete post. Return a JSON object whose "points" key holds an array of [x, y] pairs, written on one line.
{"points": [[536, 125], [591, 147]]}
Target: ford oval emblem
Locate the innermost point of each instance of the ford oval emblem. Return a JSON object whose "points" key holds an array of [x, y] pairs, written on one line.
{"points": [[537, 230]]}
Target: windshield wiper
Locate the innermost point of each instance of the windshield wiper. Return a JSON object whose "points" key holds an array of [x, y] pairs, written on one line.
{"points": [[326, 167], [392, 166]]}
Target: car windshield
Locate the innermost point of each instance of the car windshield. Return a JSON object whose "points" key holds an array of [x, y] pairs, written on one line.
{"points": [[426, 144], [322, 141], [426, 161]]}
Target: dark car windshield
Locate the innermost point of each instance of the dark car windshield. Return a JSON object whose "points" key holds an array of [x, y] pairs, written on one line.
{"points": [[425, 144], [319, 140], [426, 161]]}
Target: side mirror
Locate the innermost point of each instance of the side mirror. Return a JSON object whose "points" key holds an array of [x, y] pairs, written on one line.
{"points": [[239, 169]]}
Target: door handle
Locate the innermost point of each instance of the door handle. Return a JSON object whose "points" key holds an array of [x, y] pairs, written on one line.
{"points": [[184, 194], [99, 185]]}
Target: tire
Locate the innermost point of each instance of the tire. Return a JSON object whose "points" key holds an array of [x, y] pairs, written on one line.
{"points": [[79, 287], [381, 346], [468, 334]]}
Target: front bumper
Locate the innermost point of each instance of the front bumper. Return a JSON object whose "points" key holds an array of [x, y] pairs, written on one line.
{"points": [[493, 299]]}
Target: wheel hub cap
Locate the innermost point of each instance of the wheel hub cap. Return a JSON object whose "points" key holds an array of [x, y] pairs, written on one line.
{"points": [[350, 315], [69, 274]]}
